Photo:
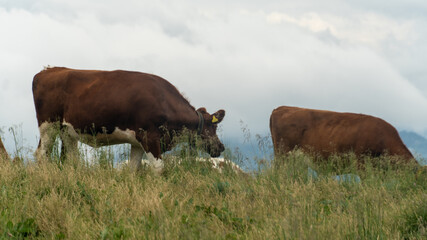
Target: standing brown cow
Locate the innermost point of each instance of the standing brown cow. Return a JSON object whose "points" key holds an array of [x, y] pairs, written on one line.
{"points": [[325, 133], [115, 107]]}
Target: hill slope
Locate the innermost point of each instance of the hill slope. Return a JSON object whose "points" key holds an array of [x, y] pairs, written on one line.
{"points": [[417, 144]]}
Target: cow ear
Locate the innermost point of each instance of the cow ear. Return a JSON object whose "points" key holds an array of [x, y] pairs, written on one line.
{"points": [[202, 110], [218, 116]]}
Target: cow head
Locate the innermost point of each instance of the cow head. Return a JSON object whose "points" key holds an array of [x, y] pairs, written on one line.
{"points": [[210, 139]]}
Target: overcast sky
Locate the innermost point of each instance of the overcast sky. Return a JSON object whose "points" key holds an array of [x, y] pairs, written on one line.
{"points": [[247, 57]]}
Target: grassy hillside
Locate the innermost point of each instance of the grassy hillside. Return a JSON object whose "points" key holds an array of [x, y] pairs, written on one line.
{"points": [[191, 201]]}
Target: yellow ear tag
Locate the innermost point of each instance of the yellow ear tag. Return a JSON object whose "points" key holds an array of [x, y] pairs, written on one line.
{"points": [[214, 119]]}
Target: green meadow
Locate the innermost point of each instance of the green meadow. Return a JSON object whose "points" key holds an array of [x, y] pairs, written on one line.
{"points": [[283, 199]]}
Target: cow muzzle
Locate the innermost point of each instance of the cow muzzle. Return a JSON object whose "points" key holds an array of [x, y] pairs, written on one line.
{"points": [[215, 150]]}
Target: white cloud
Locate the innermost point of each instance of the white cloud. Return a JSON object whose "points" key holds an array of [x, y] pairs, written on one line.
{"points": [[367, 28]]}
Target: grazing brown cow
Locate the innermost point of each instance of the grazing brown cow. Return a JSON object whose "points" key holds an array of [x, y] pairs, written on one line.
{"points": [[116, 107], [325, 133], [3, 153]]}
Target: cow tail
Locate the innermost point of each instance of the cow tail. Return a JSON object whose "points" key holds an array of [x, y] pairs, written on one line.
{"points": [[35, 80]]}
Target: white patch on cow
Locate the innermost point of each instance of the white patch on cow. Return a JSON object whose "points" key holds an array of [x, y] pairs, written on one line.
{"points": [[70, 130], [155, 163], [47, 67], [46, 139], [219, 164], [216, 163], [118, 136]]}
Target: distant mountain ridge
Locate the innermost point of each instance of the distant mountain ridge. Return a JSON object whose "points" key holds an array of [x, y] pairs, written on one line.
{"points": [[417, 144]]}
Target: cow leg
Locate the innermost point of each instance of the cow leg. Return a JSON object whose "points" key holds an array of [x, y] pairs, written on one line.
{"points": [[69, 148], [136, 153], [155, 163], [151, 144], [154, 156], [69, 138], [48, 133]]}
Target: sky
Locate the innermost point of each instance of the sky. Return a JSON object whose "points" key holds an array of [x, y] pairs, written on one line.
{"points": [[247, 57]]}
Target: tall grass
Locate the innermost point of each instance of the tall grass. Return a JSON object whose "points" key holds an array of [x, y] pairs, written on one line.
{"points": [[75, 200]]}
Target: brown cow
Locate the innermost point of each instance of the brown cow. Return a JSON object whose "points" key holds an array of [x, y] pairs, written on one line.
{"points": [[116, 107], [325, 133], [3, 153]]}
